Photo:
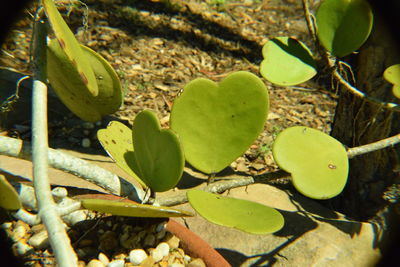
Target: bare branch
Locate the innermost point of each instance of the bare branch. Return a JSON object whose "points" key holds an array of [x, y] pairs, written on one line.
{"points": [[58, 237]]}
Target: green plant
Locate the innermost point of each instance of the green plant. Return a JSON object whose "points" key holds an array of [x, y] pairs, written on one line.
{"points": [[211, 124]]}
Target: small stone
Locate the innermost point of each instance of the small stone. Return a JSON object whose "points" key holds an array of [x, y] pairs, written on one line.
{"points": [[86, 252], [59, 193], [196, 263], [88, 125], [149, 240], [86, 142], [95, 263], [137, 256], [103, 258], [85, 243], [108, 241], [116, 263], [39, 240], [161, 234], [156, 254], [172, 241], [19, 231], [177, 265], [160, 227], [6, 225], [187, 258], [21, 248], [163, 248]]}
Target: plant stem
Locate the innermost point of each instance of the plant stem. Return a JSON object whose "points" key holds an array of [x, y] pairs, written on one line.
{"points": [[60, 243], [387, 142], [107, 180]]}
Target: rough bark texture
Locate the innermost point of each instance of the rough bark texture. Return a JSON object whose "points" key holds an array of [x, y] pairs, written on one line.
{"points": [[358, 122]]}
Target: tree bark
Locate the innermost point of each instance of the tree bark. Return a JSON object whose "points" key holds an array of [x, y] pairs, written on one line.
{"points": [[358, 122]]}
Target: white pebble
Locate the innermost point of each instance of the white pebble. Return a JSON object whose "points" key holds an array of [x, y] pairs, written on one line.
{"points": [[86, 142], [116, 263], [156, 255], [137, 256], [163, 248], [177, 265], [39, 240], [103, 258], [95, 263], [160, 251], [22, 248]]}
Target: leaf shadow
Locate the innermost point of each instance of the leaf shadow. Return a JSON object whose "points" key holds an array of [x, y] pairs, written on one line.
{"points": [[292, 231], [295, 49]]}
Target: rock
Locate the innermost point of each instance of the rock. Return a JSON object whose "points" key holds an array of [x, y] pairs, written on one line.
{"points": [[177, 265], [196, 263], [19, 230], [108, 241], [137, 256], [88, 125], [86, 142], [95, 263], [20, 248], [116, 263], [163, 249], [39, 240], [160, 235], [172, 241], [103, 258], [86, 252], [149, 240], [313, 235]]}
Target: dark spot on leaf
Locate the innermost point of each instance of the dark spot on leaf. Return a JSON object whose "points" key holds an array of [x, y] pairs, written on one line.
{"points": [[106, 142], [83, 77], [113, 141]]}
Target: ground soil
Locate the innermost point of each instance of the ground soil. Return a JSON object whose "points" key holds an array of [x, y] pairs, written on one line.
{"points": [[156, 47]]}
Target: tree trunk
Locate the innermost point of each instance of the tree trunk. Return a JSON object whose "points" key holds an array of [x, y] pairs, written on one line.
{"points": [[358, 122]]}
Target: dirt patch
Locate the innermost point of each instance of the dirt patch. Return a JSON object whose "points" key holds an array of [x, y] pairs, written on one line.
{"points": [[157, 47]]}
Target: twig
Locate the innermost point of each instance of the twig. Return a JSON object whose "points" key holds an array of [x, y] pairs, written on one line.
{"points": [[221, 186], [387, 142], [60, 243], [109, 181]]}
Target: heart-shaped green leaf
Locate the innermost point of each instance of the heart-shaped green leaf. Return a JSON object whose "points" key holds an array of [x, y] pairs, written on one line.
{"points": [[9, 198], [287, 61], [318, 162], [392, 74], [116, 139], [131, 209], [396, 90], [217, 123], [71, 47], [64, 78], [343, 25], [247, 216], [159, 158]]}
